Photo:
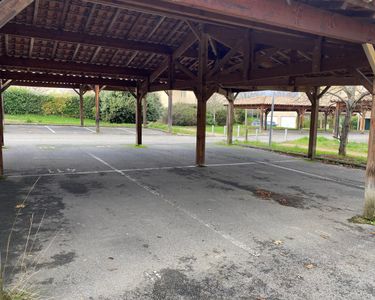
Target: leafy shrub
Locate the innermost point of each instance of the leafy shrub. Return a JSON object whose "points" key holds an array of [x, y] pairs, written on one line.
{"points": [[119, 107], [183, 114], [19, 101], [220, 117]]}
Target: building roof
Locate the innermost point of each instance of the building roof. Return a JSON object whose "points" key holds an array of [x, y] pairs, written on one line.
{"points": [[125, 43]]}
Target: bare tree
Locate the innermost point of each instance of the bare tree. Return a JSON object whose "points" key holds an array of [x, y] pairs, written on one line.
{"points": [[214, 104], [351, 96]]}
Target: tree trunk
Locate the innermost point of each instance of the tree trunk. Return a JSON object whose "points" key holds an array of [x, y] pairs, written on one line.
{"points": [[345, 132]]}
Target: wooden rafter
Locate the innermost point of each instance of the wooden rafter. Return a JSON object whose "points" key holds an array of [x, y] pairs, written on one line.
{"points": [[10, 8], [82, 38]]}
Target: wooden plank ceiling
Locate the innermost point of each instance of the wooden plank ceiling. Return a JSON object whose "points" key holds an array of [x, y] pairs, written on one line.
{"points": [[124, 44]]}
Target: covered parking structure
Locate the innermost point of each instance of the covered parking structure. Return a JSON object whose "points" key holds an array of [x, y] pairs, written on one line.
{"points": [[225, 46], [300, 104]]}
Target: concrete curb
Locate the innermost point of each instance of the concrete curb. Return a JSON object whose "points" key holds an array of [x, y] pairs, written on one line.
{"points": [[321, 159]]}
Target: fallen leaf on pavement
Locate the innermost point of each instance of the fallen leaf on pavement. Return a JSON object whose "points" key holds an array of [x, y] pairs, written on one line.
{"points": [[278, 242], [18, 206], [310, 266]]}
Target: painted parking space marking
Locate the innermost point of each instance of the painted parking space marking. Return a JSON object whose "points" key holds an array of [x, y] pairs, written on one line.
{"points": [[324, 178], [193, 216], [89, 129], [126, 130], [50, 129]]}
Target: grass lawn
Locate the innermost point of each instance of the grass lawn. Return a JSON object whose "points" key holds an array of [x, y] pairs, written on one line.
{"points": [[55, 120], [326, 148], [191, 130]]}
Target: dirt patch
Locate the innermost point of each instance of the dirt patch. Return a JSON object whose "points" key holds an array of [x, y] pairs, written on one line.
{"points": [[283, 199]]}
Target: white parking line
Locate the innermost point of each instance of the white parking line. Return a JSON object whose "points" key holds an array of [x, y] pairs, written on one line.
{"points": [[311, 175], [127, 130], [211, 227], [50, 129], [89, 129]]}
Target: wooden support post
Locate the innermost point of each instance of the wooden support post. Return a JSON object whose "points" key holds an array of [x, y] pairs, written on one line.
{"points": [[144, 111], [170, 111], [97, 107], [261, 119], [1, 115], [325, 120], [313, 96], [246, 126], [202, 97], [265, 119], [138, 117], [230, 121], [369, 210], [1, 131], [81, 113]]}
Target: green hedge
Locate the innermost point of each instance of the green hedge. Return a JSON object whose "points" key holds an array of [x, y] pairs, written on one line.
{"points": [[119, 107], [19, 101], [115, 107]]}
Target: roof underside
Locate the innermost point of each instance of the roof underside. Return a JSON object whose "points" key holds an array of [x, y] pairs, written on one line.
{"points": [[121, 44]]}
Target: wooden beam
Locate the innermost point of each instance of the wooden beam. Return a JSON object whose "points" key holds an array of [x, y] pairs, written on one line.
{"points": [[189, 41], [97, 107], [370, 54], [77, 80], [201, 94], [185, 70], [10, 8], [138, 116], [170, 111], [369, 209], [5, 85], [314, 99], [279, 13], [84, 38], [230, 119], [58, 66], [81, 107]]}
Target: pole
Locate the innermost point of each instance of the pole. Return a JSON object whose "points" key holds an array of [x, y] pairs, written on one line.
{"points": [[271, 127], [313, 123], [138, 117], [97, 107], [1, 132], [230, 121], [286, 134], [1, 116], [81, 115], [246, 127], [170, 103]]}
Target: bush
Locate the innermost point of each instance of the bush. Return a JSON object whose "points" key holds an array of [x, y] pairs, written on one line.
{"points": [[119, 107], [18, 101], [220, 117], [183, 114]]}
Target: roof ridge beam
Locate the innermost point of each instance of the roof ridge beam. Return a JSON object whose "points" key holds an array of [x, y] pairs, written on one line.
{"points": [[293, 16], [83, 38]]}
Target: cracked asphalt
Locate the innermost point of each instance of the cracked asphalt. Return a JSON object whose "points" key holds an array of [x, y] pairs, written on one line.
{"points": [[96, 218]]}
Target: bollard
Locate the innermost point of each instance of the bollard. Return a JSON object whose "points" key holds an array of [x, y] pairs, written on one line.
{"points": [[256, 134], [213, 130], [225, 130], [286, 134], [238, 131], [246, 134]]}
